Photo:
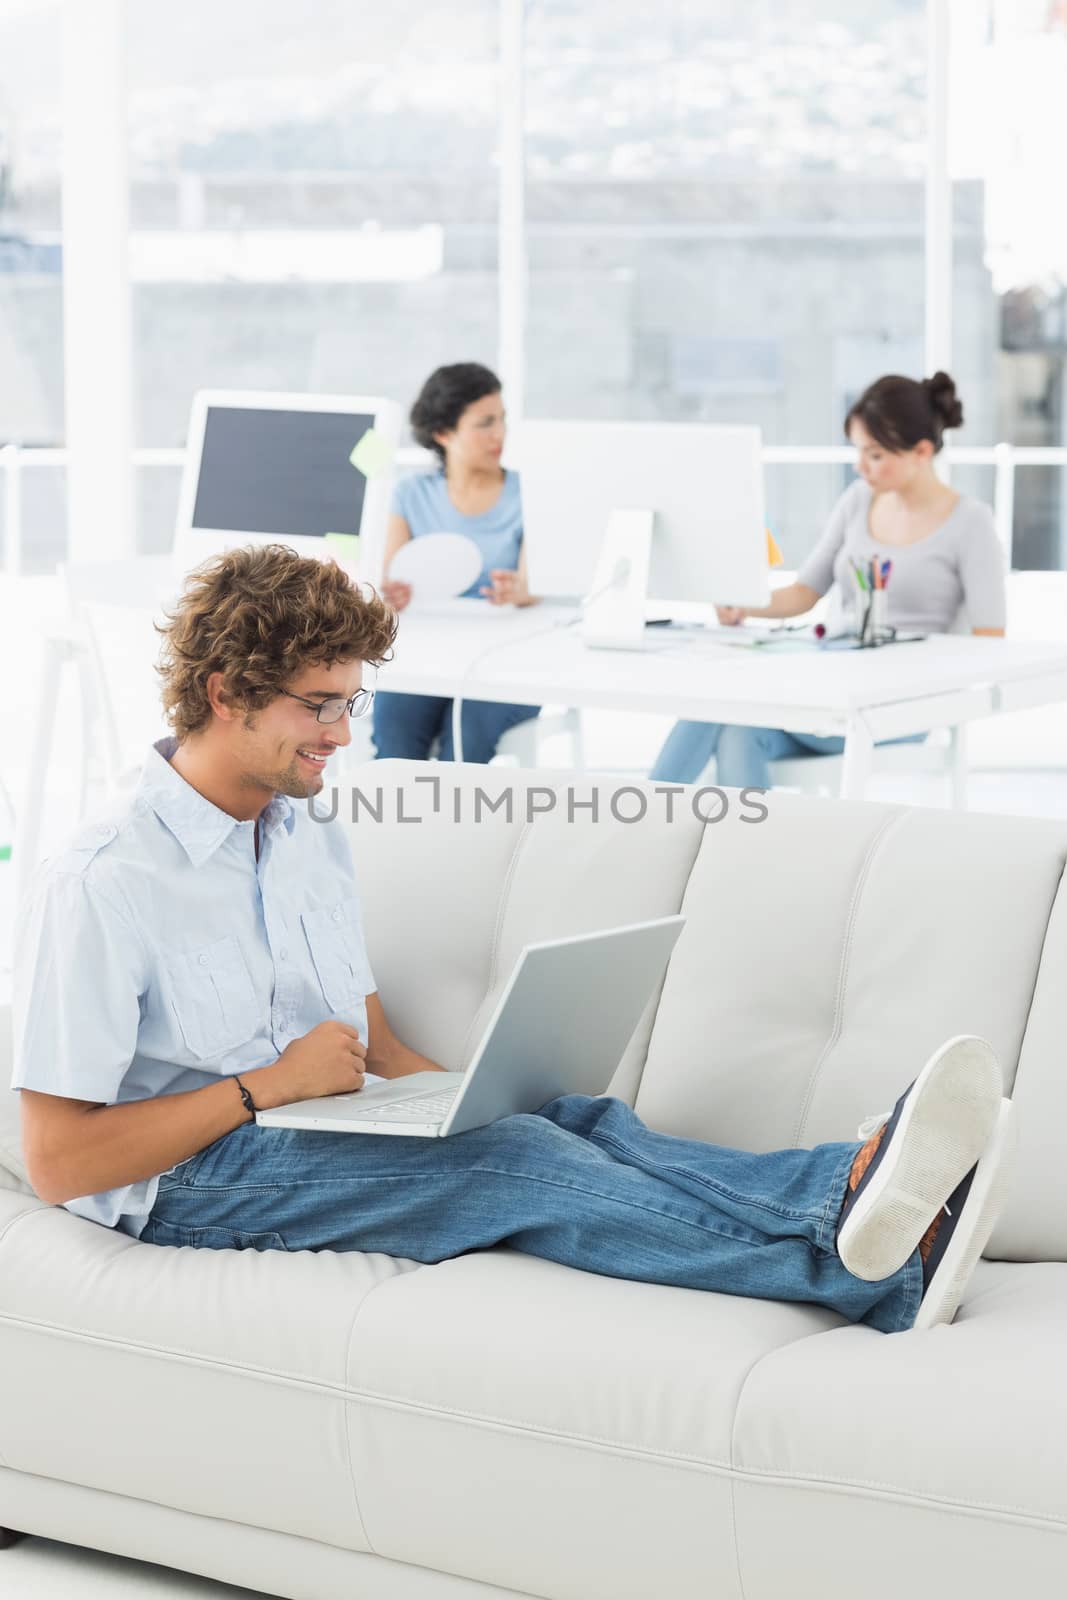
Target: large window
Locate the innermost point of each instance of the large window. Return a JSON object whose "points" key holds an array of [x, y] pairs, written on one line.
{"points": [[31, 283], [1009, 132], [313, 201], [724, 203], [726, 216]]}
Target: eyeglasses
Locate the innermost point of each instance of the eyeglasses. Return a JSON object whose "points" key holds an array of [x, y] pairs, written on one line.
{"points": [[333, 709]]}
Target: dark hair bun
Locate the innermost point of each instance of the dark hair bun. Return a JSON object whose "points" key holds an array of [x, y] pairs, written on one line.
{"points": [[942, 394]]}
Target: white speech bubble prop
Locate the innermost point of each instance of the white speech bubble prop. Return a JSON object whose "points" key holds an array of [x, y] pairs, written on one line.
{"points": [[438, 566]]}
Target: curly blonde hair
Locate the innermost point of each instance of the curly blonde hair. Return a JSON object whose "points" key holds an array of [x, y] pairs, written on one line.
{"points": [[260, 615]]}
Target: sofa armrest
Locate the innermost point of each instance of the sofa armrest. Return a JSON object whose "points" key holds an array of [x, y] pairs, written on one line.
{"points": [[12, 1171], [7, 1044]]}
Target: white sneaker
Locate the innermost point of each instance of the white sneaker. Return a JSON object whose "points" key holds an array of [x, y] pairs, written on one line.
{"points": [[969, 1218], [939, 1128]]}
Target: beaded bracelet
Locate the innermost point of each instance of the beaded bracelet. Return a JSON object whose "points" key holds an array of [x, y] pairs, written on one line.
{"points": [[250, 1104]]}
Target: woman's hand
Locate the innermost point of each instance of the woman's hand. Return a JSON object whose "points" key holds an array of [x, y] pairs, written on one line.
{"points": [[730, 616], [508, 588], [397, 595]]}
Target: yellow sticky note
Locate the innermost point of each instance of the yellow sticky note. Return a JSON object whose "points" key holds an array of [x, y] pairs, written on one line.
{"points": [[344, 545], [372, 454], [774, 555]]}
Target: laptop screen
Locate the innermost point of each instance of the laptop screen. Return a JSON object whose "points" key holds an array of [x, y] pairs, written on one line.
{"points": [[280, 472]]}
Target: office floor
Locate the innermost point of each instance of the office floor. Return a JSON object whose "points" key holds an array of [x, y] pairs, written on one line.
{"points": [[1036, 785]]}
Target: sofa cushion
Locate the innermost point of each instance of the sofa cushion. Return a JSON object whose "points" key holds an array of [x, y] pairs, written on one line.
{"points": [[828, 952], [438, 1415], [10, 1177], [216, 1382], [560, 1433], [932, 1439]]}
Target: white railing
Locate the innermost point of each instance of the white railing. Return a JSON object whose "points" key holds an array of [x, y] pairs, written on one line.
{"points": [[1004, 458]]}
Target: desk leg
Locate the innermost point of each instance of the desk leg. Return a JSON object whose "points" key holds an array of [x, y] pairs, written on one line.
{"points": [[28, 822], [859, 760], [959, 772]]}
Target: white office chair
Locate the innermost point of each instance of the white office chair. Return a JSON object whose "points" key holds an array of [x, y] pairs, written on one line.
{"points": [[525, 744], [123, 648], [124, 595], [943, 752]]}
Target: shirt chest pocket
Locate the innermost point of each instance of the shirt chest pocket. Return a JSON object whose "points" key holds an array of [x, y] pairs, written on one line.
{"points": [[212, 996], [335, 939]]}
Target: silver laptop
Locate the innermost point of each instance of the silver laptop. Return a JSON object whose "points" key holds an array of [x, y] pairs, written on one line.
{"points": [[563, 1022]]}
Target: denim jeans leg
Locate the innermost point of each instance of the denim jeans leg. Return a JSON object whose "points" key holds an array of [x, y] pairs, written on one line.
{"points": [[789, 1196], [581, 1183], [406, 725], [744, 753], [685, 752], [484, 724]]}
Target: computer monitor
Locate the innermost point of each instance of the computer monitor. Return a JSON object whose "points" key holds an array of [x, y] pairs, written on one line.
{"points": [[262, 468], [703, 483]]}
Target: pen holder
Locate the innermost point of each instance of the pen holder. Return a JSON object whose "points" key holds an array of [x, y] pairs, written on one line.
{"points": [[876, 629]]}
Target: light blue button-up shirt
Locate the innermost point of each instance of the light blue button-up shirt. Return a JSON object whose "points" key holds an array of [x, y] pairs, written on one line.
{"points": [[157, 954]]}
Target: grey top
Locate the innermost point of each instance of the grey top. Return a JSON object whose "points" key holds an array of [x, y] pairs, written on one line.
{"points": [[959, 565]]}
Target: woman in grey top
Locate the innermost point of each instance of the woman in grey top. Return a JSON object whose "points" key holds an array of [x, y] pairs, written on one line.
{"points": [[946, 562]]}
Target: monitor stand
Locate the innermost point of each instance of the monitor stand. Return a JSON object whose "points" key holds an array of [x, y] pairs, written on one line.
{"points": [[613, 613]]}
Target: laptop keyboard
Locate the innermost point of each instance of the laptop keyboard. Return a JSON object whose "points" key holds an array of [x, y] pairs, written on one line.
{"points": [[427, 1108]]}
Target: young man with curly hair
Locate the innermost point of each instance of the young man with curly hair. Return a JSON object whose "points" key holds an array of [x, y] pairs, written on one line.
{"points": [[201, 955]]}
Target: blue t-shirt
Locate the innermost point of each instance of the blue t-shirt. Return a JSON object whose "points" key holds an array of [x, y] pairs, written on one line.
{"points": [[424, 503]]}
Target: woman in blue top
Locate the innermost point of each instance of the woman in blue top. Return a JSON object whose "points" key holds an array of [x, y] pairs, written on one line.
{"points": [[460, 415]]}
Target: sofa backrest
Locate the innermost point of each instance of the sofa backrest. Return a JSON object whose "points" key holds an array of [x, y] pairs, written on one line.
{"points": [[829, 952], [829, 947], [453, 889]]}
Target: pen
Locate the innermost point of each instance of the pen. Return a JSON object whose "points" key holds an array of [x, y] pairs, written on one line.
{"points": [[860, 579], [887, 567]]}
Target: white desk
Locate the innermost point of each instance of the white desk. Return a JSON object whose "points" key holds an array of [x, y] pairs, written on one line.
{"points": [[864, 695], [531, 655]]}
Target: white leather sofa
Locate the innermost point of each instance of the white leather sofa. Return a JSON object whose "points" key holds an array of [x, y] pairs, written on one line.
{"points": [[325, 1426]]}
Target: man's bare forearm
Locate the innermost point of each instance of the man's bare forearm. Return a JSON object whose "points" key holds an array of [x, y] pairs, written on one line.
{"points": [[94, 1148], [400, 1062], [386, 1056]]}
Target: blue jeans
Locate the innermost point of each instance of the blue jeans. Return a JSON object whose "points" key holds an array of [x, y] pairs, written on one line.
{"points": [[407, 724], [741, 753], [582, 1182]]}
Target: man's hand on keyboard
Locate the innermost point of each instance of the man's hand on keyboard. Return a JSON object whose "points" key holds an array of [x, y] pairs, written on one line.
{"points": [[328, 1060]]}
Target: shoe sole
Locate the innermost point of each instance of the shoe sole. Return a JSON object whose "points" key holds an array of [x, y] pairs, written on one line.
{"points": [[945, 1124], [983, 1206]]}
